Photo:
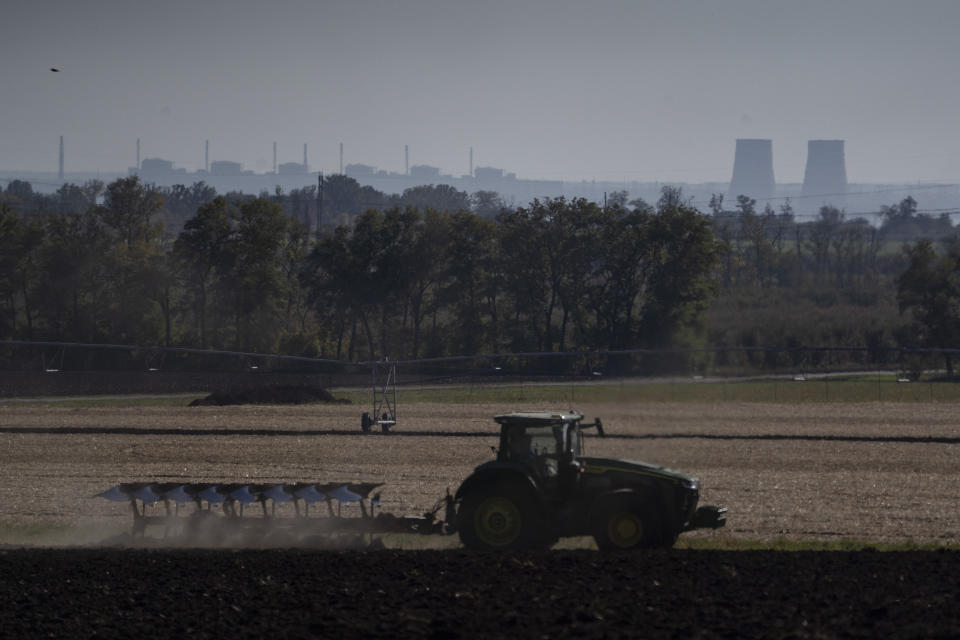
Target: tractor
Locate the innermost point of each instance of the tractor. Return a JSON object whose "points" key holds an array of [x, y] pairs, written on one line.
{"points": [[541, 487]]}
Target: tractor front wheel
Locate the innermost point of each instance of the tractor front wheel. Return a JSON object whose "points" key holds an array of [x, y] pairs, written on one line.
{"points": [[623, 525]]}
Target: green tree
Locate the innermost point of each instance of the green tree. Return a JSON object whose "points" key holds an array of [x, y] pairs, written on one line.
{"points": [[361, 268], [930, 289], [441, 197], [341, 195], [203, 250], [11, 251], [256, 276], [471, 284], [486, 204], [129, 218], [72, 294], [180, 202], [681, 252]]}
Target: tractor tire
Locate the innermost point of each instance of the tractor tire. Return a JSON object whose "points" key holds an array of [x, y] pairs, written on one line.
{"points": [[625, 524], [501, 518]]}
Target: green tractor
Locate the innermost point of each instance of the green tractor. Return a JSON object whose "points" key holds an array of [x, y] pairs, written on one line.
{"points": [[541, 488]]}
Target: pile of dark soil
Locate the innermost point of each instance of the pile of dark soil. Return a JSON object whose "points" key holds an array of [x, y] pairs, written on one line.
{"points": [[453, 594], [269, 395]]}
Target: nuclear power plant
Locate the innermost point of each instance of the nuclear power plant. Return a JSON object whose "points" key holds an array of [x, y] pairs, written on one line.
{"points": [[826, 172], [753, 170], [824, 182], [824, 179]]}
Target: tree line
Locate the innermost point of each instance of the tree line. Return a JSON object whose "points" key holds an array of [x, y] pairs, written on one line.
{"points": [[98, 263], [435, 271]]}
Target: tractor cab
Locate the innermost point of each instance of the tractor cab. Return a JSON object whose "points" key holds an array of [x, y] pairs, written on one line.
{"points": [[547, 444]]}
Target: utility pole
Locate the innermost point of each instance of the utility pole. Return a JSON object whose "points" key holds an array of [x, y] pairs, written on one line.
{"points": [[319, 202]]}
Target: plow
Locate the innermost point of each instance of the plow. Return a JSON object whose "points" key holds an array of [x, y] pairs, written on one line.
{"points": [[240, 514], [541, 487]]}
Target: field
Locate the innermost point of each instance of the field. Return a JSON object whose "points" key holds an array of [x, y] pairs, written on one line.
{"points": [[876, 472], [803, 475]]}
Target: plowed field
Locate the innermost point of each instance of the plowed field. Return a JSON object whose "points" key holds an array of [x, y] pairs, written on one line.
{"points": [[875, 472], [878, 472]]}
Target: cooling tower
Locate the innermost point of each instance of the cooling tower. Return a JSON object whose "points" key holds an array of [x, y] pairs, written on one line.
{"points": [[752, 169], [826, 172]]}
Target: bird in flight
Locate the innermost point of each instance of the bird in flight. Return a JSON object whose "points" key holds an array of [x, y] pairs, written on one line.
{"points": [[54, 69]]}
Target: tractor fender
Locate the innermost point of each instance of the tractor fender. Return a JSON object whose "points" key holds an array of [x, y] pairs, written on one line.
{"points": [[495, 473]]}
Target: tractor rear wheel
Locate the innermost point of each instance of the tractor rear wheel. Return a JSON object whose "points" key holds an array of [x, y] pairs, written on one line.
{"points": [[624, 524], [501, 518]]}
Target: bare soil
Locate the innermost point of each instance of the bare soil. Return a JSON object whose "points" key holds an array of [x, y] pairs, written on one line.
{"points": [[877, 472], [433, 594]]}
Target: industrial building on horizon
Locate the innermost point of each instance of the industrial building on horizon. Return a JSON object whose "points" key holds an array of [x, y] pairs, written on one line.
{"points": [[824, 183]]}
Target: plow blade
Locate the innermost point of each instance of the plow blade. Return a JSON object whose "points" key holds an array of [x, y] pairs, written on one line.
{"points": [[219, 511]]}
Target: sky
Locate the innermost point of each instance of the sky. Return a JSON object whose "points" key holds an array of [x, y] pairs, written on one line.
{"points": [[549, 89]]}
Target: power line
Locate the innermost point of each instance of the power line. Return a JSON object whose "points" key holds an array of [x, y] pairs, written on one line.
{"points": [[494, 356]]}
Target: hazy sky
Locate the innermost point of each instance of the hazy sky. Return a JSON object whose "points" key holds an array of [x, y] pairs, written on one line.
{"points": [[606, 90]]}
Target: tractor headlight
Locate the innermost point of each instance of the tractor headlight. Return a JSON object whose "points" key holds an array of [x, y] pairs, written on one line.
{"points": [[691, 484]]}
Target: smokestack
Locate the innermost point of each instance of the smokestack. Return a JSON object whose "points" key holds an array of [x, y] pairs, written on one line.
{"points": [[341, 158], [138, 154], [406, 160], [60, 172], [471, 162], [274, 157], [826, 171], [206, 155], [305, 157], [753, 169]]}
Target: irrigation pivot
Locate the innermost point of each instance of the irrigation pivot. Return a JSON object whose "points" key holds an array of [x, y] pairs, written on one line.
{"points": [[384, 384]]}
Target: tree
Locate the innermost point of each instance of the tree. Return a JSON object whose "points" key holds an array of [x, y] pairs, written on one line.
{"points": [[341, 194], [10, 252], [128, 219], [618, 198], [366, 270], [930, 290], [181, 202], [76, 199], [486, 204], [471, 288], [428, 262], [203, 251], [73, 295], [20, 197], [256, 276], [128, 211], [682, 252], [441, 197], [724, 228], [821, 236]]}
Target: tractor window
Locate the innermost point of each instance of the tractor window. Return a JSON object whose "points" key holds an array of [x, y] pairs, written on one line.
{"points": [[546, 440], [536, 441]]}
